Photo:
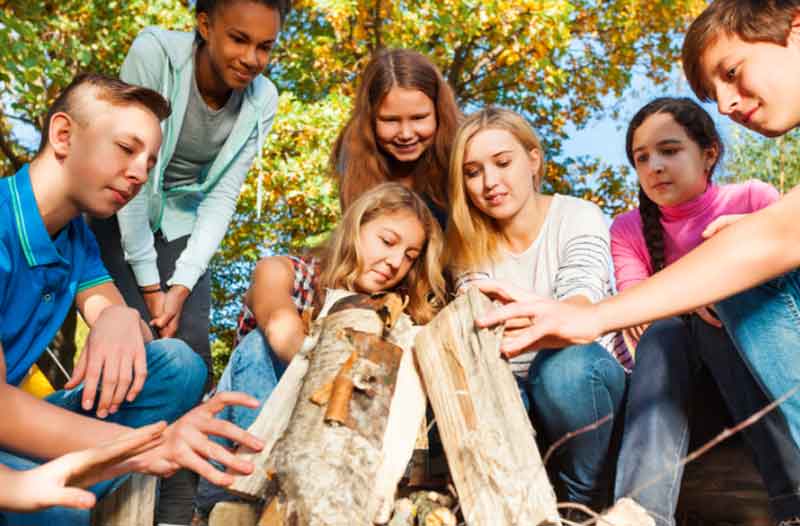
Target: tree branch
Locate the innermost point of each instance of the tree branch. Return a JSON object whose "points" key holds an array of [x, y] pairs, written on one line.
{"points": [[8, 151]]}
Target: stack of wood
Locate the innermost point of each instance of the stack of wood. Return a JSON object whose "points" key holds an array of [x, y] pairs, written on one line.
{"points": [[342, 424]]}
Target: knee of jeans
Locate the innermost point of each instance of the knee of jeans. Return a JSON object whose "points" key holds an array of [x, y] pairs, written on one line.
{"points": [[577, 369], [181, 367], [664, 341]]}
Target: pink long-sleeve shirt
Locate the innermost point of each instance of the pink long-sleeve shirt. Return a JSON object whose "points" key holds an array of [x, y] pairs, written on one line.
{"points": [[683, 226]]}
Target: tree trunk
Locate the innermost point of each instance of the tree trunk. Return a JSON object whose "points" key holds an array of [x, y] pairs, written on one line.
{"points": [[486, 433], [325, 467]]}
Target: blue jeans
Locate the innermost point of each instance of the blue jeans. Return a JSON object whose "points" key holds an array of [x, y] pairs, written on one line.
{"points": [[683, 365], [764, 323], [175, 378], [254, 369], [569, 389]]}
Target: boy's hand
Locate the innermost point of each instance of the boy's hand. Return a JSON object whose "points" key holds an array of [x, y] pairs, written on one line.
{"points": [[57, 482], [115, 349], [167, 322], [186, 443], [554, 324]]}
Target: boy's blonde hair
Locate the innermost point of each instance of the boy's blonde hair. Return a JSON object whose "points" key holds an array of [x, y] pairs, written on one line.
{"points": [[341, 261], [471, 238], [749, 20]]}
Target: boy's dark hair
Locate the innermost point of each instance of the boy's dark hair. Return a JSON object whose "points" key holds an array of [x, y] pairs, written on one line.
{"points": [[749, 20], [111, 90], [700, 128], [209, 6]]}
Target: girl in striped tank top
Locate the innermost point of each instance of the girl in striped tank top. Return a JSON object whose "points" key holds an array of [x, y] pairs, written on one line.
{"points": [[388, 239], [501, 227]]}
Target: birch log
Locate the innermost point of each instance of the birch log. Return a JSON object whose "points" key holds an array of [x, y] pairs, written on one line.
{"points": [[327, 460], [486, 433], [276, 411]]}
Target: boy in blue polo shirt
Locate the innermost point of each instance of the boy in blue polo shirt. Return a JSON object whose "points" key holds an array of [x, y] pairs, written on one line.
{"points": [[100, 139]]}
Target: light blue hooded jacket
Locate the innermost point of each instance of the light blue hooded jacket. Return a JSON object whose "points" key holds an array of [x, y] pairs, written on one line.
{"points": [[164, 61]]}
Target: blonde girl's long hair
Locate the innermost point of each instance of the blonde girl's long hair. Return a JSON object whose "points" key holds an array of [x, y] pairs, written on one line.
{"points": [[356, 159], [472, 236], [341, 261]]}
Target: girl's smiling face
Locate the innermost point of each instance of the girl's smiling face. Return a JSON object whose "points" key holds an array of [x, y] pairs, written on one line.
{"points": [[238, 39], [405, 123], [498, 173], [389, 245], [671, 167]]}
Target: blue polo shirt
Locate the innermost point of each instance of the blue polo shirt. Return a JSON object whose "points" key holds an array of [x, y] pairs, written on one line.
{"points": [[39, 275]]}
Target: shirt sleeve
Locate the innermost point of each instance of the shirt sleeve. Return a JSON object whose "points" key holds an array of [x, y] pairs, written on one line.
{"points": [[134, 224], [762, 195], [584, 257], [631, 263], [215, 211], [93, 271]]}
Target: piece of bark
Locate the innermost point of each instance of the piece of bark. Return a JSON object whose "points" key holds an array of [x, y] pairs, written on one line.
{"points": [[233, 514], [325, 474], [485, 430], [132, 504]]}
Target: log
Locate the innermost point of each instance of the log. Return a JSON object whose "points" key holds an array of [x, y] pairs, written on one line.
{"points": [[486, 433], [325, 468], [274, 416], [132, 504]]}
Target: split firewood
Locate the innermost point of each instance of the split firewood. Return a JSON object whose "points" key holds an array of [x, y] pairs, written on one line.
{"points": [[485, 430], [626, 512], [276, 411], [327, 461]]}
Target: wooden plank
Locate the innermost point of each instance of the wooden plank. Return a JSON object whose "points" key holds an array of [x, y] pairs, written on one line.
{"points": [[269, 426], [132, 504], [486, 433], [406, 417]]}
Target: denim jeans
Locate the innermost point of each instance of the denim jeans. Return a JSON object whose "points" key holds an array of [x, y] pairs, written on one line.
{"points": [[764, 323], [175, 378], [681, 365], [569, 389], [254, 369]]}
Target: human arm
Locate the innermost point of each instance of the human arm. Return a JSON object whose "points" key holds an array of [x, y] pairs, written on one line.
{"points": [[185, 442], [136, 236], [60, 481], [270, 300], [716, 269]]}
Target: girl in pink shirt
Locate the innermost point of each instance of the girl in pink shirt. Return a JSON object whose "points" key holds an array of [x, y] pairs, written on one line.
{"points": [[685, 365]]}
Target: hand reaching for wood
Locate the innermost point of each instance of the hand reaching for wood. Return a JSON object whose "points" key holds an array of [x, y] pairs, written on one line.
{"points": [[60, 481]]}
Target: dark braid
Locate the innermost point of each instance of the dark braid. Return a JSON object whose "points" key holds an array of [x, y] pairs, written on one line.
{"points": [[699, 126], [653, 233]]}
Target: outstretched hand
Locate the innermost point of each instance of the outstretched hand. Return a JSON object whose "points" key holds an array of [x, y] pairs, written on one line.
{"points": [[60, 481], [553, 324], [187, 445]]}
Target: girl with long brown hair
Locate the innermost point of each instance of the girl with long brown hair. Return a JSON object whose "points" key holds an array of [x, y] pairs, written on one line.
{"points": [[403, 122]]}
